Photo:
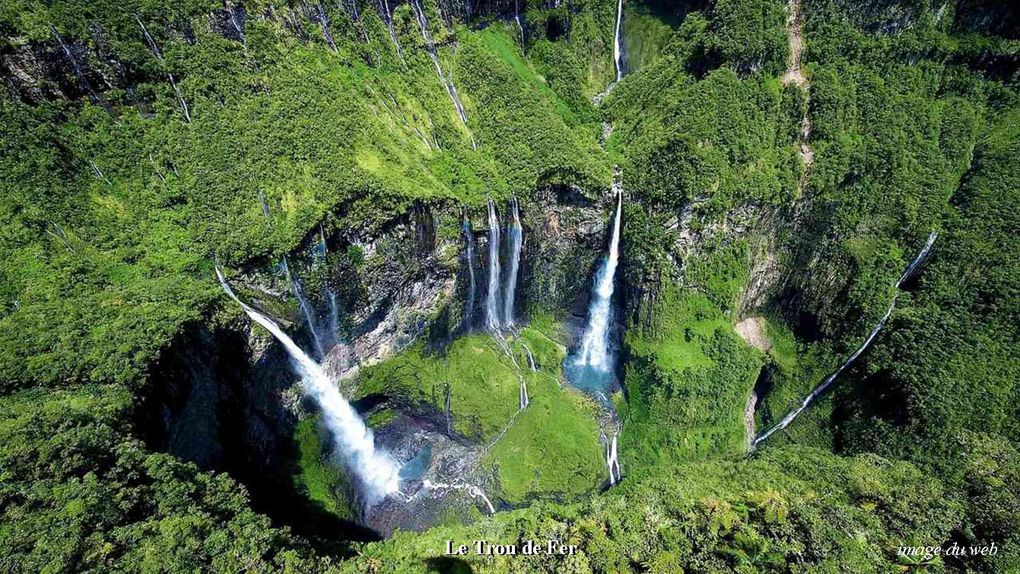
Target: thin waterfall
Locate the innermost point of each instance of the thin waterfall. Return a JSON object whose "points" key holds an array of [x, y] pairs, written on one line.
{"points": [[612, 460], [389, 26], [517, 18], [514, 236], [430, 47], [306, 308], [617, 48], [74, 64], [531, 358], [492, 311], [264, 205], [159, 57], [472, 490], [237, 23], [910, 271], [334, 311], [374, 468], [324, 23], [469, 251], [595, 351]]}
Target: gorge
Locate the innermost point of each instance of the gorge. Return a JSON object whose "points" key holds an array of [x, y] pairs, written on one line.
{"points": [[334, 286]]}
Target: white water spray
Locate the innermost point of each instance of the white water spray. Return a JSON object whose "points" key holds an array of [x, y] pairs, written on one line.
{"points": [[617, 48], [492, 319], [612, 460], [306, 308], [514, 236], [469, 244], [430, 47], [389, 27], [376, 469], [910, 271], [474, 491], [517, 18], [595, 346]]}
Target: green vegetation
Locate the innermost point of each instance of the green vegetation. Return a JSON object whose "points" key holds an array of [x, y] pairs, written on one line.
{"points": [[115, 204], [320, 477], [551, 449]]}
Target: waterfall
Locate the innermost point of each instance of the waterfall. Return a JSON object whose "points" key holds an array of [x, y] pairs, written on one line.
{"points": [[612, 460], [354, 441], [469, 243], [430, 47], [334, 311], [492, 321], [263, 205], [324, 23], [514, 235], [306, 308], [531, 358], [595, 345], [238, 25], [474, 491], [389, 26], [159, 57], [517, 18], [74, 64], [910, 271], [150, 40], [617, 49]]}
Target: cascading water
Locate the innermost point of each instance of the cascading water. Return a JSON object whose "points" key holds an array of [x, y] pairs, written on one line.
{"points": [[170, 77], [334, 311], [324, 24], [469, 253], [430, 48], [74, 64], [264, 205], [492, 311], [531, 358], [389, 27], [306, 308], [517, 18], [514, 236], [378, 472], [617, 48], [596, 349], [612, 460], [474, 491], [910, 271]]}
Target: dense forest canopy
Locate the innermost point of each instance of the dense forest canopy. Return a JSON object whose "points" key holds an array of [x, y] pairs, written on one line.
{"points": [[782, 165]]}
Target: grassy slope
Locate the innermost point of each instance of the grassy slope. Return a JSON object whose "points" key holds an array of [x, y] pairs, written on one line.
{"points": [[551, 449]]}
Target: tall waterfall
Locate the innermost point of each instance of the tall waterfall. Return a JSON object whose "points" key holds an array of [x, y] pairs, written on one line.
{"points": [[617, 48], [469, 253], [334, 311], [910, 271], [596, 349], [514, 236], [492, 311], [430, 47], [376, 470], [306, 308]]}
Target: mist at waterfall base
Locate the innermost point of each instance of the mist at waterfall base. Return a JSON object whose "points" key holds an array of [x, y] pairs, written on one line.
{"points": [[590, 367], [374, 469]]}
